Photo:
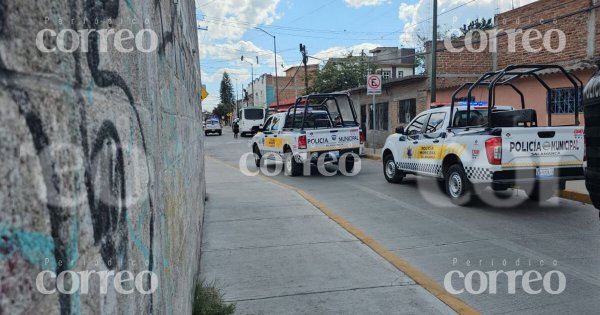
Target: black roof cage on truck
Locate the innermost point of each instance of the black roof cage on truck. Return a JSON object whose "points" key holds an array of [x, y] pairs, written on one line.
{"points": [[320, 102], [505, 77]]}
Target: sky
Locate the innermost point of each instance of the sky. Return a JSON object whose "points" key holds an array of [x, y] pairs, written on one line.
{"points": [[328, 28]]}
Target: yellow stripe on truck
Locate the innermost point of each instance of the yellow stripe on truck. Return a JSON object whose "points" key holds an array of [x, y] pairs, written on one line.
{"points": [[434, 151], [273, 142]]}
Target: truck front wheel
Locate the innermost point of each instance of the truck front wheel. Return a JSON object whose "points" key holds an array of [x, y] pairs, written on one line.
{"points": [[458, 187], [390, 170]]}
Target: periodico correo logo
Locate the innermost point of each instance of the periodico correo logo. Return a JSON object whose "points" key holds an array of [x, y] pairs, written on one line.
{"points": [[487, 282], [123, 40], [71, 282]]}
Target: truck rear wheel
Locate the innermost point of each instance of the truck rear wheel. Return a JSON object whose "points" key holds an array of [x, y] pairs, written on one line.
{"points": [[458, 187], [292, 168], [349, 164], [390, 170]]}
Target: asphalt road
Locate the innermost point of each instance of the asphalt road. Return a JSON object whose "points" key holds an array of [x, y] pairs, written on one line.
{"points": [[417, 223]]}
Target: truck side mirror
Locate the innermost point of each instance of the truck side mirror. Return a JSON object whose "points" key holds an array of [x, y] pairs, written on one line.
{"points": [[400, 130]]}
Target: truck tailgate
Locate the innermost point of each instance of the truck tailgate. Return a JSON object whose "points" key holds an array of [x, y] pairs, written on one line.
{"points": [[333, 139], [542, 147]]}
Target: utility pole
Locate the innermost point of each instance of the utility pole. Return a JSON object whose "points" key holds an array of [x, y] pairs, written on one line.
{"points": [[276, 76], [304, 61], [434, 53], [236, 99], [251, 67]]}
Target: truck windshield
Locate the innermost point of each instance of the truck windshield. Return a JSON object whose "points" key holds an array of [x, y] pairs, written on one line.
{"points": [[254, 113]]}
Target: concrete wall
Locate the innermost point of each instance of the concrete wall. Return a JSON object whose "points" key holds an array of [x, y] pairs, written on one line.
{"points": [[102, 156]]}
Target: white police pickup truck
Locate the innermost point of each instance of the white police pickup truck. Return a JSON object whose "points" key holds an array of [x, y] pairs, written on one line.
{"points": [[474, 145], [317, 128]]}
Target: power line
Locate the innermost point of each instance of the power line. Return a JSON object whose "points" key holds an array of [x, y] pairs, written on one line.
{"points": [[430, 18], [505, 33]]}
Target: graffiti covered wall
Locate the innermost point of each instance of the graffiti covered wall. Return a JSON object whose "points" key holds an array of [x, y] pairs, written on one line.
{"points": [[102, 189]]}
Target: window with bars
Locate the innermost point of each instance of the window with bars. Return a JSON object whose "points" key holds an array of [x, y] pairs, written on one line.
{"points": [[407, 110], [381, 116], [565, 100]]}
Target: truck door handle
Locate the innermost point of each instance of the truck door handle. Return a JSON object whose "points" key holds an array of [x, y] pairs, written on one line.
{"points": [[415, 142], [436, 141], [275, 136]]}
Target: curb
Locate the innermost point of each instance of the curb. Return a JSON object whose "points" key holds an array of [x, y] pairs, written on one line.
{"points": [[372, 157], [575, 196]]}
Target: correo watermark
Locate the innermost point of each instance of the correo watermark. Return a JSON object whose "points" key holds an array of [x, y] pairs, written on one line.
{"points": [[321, 161], [553, 40], [531, 281], [69, 40], [79, 282]]}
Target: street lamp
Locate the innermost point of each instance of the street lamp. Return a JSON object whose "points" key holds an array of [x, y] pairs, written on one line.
{"points": [[252, 67], [275, 53]]}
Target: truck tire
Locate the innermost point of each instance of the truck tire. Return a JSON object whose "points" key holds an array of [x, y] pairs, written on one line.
{"points": [[220, 133], [292, 168], [458, 187], [390, 171], [349, 164], [591, 110], [257, 155], [542, 192]]}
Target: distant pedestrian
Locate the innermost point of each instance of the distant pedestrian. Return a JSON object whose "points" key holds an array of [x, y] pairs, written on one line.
{"points": [[236, 129]]}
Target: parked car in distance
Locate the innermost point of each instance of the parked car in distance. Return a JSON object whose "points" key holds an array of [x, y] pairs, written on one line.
{"points": [[213, 126]]}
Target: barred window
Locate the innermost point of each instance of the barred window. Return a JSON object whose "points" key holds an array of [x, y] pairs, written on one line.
{"points": [[381, 114], [564, 100], [407, 110]]}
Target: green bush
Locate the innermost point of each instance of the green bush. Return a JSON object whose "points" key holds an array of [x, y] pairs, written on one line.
{"points": [[208, 300]]}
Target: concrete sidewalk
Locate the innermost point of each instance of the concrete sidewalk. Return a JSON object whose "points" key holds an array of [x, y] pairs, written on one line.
{"points": [[272, 252]]}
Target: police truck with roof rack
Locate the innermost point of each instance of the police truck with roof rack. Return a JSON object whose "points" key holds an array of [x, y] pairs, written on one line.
{"points": [[318, 127], [471, 145]]}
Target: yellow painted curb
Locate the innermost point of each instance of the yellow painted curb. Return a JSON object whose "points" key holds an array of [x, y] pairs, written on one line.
{"points": [[575, 196], [419, 277], [372, 157]]}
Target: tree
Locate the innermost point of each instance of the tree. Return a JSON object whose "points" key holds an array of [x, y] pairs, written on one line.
{"points": [[221, 110], [226, 93], [342, 74], [477, 24]]}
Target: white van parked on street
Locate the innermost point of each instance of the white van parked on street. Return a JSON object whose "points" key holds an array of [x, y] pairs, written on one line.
{"points": [[250, 120]]}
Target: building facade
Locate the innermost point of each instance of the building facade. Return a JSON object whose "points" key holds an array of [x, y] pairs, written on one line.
{"points": [[393, 62], [290, 84], [565, 33]]}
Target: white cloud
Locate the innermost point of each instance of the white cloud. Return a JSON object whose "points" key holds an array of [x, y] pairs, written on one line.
{"points": [[215, 77], [222, 17], [213, 83], [233, 52], [407, 11], [363, 3], [210, 102], [417, 17], [342, 51]]}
